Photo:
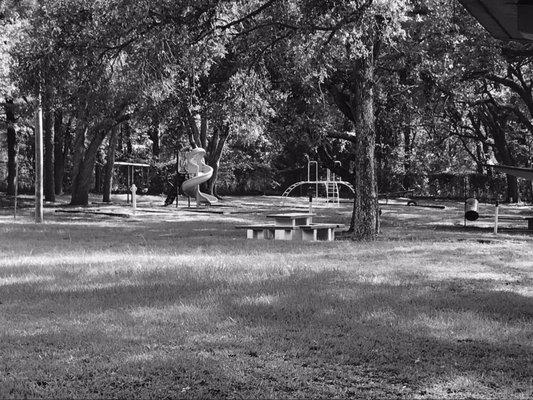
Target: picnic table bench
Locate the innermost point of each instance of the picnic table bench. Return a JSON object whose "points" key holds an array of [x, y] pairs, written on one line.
{"points": [[314, 232], [269, 231]]}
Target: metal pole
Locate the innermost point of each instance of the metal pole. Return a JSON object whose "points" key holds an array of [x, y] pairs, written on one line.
{"points": [[39, 162], [128, 183], [177, 176], [464, 214], [339, 164], [16, 180], [328, 178], [496, 215], [316, 176], [310, 195], [134, 198], [315, 163]]}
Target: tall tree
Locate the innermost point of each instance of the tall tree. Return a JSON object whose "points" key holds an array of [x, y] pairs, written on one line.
{"points": [[9, 108], [11, 16], [61, 131], [48, 141], [110, 164], [334, 45]]}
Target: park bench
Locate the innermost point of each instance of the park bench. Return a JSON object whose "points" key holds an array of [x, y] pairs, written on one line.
{"points": [[323, 232], [269, 231]]}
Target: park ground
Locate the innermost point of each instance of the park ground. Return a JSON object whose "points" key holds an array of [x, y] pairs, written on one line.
{"points": [[100, 303]]}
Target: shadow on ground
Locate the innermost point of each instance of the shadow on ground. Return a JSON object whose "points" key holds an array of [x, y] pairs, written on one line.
{"points": [[309, 334], [142, 307]]}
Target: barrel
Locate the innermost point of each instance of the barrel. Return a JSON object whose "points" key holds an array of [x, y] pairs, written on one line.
{"points": [[471, 213]]}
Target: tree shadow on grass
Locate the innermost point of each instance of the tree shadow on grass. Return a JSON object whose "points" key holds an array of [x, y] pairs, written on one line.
{"points": [[164, 235], [396, 336], [309, 334]]}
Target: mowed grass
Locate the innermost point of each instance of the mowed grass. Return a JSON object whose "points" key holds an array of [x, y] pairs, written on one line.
{"points": [[180, 305]]}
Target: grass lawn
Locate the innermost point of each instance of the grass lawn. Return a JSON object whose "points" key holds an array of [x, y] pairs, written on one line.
{"points": [[178, 304]]}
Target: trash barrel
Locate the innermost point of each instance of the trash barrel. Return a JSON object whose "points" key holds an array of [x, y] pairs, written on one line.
{"points": [[471, 213]]}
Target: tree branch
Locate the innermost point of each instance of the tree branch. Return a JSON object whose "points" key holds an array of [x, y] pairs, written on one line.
{"points": [[246, 17], [342, 101], [349, 136]]}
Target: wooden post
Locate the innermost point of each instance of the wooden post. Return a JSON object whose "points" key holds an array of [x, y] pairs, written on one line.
{"points": [[39, 162]]}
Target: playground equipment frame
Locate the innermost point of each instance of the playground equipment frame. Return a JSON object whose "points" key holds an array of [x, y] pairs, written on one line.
{"points": [[330, 182], [130, 174]]}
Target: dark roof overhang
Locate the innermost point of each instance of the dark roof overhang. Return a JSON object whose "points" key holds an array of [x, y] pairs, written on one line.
{"points": [[525, 173], [504, 19]]}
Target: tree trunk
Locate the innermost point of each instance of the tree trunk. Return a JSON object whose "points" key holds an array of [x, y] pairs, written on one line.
{"points": [[203, 130], [81, 182], [365, 220], [513, 194], [407, 148], [502, 153], [49, 170], [154, 137], [78, 150], [194, 133], [177, 179], [327, 159], [108, 177], [59, 152], [126, 130], [215, 149], [11, 146]]}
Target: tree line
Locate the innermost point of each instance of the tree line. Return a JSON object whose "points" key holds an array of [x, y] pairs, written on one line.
{"points": [[395, 90]]}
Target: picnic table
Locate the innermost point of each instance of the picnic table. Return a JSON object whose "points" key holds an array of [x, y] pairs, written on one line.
{"points": [[292, 226], [292, 219]]}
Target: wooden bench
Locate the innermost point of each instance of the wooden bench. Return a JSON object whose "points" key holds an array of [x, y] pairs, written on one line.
{"points": [[270, 231], [314, 232]]}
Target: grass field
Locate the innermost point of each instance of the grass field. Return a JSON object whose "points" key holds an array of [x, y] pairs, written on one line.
{"points": [[178, 304]]}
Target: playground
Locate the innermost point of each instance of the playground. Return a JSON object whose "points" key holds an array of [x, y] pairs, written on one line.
{"points": [[266, 199], [102, 302]]}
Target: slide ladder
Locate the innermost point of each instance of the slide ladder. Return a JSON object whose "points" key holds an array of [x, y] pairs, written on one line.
{"points": [[332, 192]]}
